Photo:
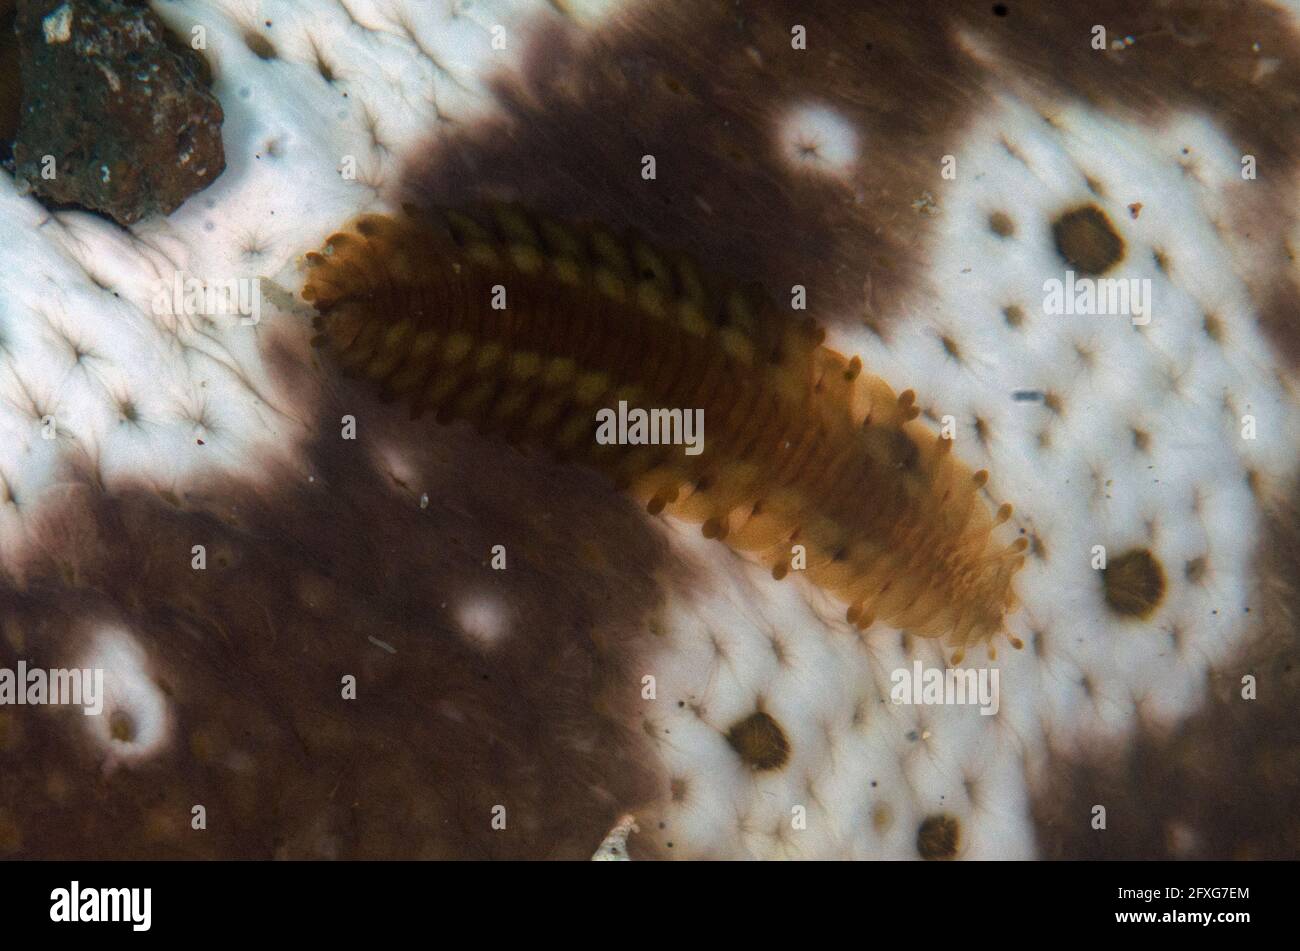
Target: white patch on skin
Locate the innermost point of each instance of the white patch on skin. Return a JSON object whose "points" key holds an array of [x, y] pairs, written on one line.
{"points": [[590, 12], [828, 689], [818, 139], [614, 847], [1168, 377], [199, 386], [132, 699], [1290, 6], [483, 620]]}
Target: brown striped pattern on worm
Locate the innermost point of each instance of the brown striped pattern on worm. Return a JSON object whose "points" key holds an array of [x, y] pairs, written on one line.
{"points": [[801, 448]]}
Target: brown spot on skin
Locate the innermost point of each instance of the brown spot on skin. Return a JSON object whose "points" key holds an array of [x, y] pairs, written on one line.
{"points": [[1156, 77], [1037, 547], [1194, 570], [1254, 482], [1213, 328], [1134, 583], [1001, 225], [260, 46], [939, 837], [882, 817], [760, 742], [1087, 240], [1225, 776], [1013, 315]]}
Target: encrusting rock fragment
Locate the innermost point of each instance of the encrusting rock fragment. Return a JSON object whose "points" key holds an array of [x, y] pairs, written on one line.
{"points": [[115, 117]]}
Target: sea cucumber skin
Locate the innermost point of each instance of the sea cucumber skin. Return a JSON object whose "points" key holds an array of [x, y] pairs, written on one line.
{"points": [[800, 447]]}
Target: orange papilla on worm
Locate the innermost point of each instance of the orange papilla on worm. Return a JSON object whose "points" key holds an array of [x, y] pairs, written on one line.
{"points": [[801, 447]]}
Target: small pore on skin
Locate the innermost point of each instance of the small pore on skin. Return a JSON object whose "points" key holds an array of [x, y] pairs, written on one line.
{"points": [[121, 726], [1213, 328], [759, 740], [1087, 240], [1134, 583], [817, 138], [939, 837]]}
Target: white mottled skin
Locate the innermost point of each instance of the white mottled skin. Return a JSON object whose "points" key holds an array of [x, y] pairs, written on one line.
{"points": [[1089, 487], [130, 692], [867, 771], [815, 138]]}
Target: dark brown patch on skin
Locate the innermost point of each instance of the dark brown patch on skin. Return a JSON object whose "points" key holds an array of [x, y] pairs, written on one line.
{"points": [[1161, 261], [11, 836], [251, 655], [1001, 225], [1187, 54], [323, 66], [759, 740], [575, 127], [1087, 240], [939, 837], [1220, 785], [1134, 583], [259, 44]]}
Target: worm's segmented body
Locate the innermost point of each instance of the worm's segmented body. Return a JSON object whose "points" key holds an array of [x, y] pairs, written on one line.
{"points": [[528, 328]]}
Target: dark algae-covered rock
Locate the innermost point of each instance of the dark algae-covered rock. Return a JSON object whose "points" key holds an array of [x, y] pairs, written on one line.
{"points": [[10, 90], [116, 116]]}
